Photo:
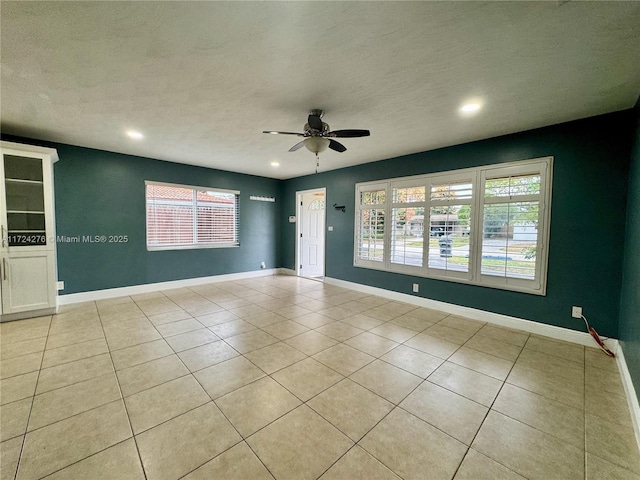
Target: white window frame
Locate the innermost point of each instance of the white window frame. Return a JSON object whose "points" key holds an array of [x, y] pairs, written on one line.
{"points": [[460, 176], [477, 177], [404, 183], [370, 187], [195, 244]]}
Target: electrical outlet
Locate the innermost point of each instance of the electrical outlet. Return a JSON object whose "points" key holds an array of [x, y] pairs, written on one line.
{"points": [[416, 288], [60, 285], [576, 312], [263, 265]]}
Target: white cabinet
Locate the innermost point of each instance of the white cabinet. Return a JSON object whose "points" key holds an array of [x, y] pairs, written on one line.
{"points": [[27, 247]]}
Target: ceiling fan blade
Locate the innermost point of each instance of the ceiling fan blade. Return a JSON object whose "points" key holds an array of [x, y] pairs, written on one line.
{"points": [[283, 133], [349, 133], [315, 122], [337, 146], [297, 146]]}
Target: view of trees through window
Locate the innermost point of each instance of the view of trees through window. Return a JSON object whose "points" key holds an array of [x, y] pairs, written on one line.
{"points": [[407, 240], [371, 225], [470, 224], [510, 226]]}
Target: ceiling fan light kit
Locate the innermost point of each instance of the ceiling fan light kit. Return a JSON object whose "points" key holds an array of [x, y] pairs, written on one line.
{"points": [[316, 144], [318, 136]]}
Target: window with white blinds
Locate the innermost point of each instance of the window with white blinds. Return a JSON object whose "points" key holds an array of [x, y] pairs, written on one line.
{"points": [[407, 229], [370, 224], [511, 217], [180, 216], [485, 226], [449, 224]]}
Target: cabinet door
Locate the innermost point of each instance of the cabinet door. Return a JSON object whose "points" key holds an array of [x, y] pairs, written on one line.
{"points": [[24, 201], [28, 281]]}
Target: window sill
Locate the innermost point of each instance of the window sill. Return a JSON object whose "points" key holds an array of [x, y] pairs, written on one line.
{"points": [[419, 273], [190, 247]]}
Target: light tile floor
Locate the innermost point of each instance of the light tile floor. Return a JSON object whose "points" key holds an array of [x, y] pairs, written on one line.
{"points": [[290, 378]]}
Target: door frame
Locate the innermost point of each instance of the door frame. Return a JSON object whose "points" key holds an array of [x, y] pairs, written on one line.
{"points": [[299, 212]]}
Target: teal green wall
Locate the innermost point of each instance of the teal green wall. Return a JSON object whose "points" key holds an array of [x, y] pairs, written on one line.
{"points": [[630, 298], [103, 193], [587, 220]]}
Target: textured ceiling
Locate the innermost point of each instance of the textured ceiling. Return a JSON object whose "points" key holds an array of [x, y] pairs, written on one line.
{"points": [[201, 80]]}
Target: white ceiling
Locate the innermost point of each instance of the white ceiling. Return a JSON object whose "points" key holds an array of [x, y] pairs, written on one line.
{"points": [[201, 80]]}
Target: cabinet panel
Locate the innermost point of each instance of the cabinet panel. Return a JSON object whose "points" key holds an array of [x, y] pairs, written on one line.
{"points": [[23, 168], [27, 247], [24, 195], [27, 281]]}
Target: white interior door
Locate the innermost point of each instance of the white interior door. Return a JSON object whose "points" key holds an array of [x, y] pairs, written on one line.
{"points": [[312, 218]]}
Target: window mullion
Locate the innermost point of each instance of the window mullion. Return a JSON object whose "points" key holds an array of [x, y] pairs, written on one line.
{"points": [[386, 246], [477, 207], [194, 208]]}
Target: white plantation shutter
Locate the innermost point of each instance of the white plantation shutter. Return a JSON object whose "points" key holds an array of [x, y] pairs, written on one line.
{"points": [[486, 225], [370, 238], [181, 216], [449, 212], [512, 203], [407, 223]]}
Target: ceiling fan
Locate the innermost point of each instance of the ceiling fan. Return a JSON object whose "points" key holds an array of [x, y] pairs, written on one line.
{"points": [[318, 137]]}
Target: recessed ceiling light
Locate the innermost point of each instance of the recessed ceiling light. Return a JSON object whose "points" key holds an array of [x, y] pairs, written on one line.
{"points": [[134, 134], [275, 164], [470, 108]]}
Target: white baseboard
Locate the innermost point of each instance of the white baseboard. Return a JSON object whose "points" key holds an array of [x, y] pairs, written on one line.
{"points": [[558, 333], [630, 391], [10, 317], [286, 271], [154, 287]]}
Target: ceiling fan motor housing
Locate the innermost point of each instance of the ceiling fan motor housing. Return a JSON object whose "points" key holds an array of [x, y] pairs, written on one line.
{"points": [[318, 135], [309, 132]]}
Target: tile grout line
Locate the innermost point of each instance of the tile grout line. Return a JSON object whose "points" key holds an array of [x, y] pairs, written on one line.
{"points": [[88, 456], [75, 344], [75, 382], [357, 443], [75, 414], [584, 409], [144, 472], [242, 438], [303, 402], [395, 406], [24, 438], [485, 418]]}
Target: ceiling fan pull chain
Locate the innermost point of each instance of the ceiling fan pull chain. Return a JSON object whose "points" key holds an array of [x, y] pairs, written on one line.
{"points": [[317, 162]]}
